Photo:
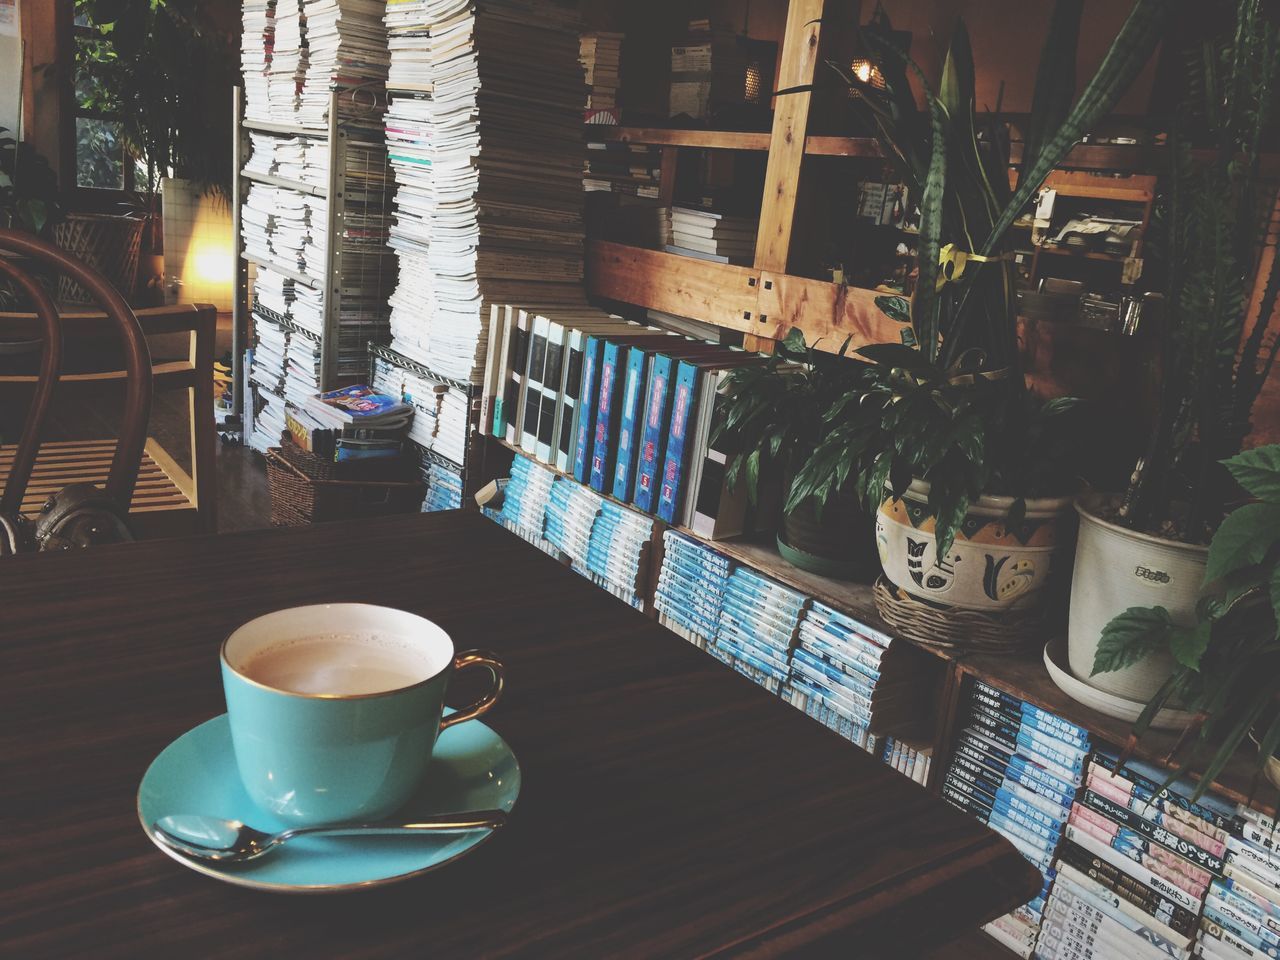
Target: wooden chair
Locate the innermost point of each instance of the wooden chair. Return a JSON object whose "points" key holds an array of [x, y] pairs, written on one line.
{"points": [[32, 470]]}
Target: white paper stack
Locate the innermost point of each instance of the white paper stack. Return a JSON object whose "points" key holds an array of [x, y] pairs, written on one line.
{"points": [[288, 64], [489, 205], [270, 351], [712, 236], [256, 45], [268, 423], [347, 51]]}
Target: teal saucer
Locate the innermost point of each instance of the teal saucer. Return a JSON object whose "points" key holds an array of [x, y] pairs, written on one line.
{"points": [[472, 768]]}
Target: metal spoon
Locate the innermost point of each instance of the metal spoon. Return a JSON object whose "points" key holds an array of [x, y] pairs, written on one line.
{"points": [[230, 841]]}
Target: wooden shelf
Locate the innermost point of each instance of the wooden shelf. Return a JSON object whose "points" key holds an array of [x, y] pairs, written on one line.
{"points": [[1025, 676], [1084, 254]]}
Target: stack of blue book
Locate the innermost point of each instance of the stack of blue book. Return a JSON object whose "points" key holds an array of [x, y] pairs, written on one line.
{"points": [[1017, 768], [691, 587], [524, 503], [1242, 912], [444, 487], [834, 672], [758, 622], [571, 513], [615, 554]]}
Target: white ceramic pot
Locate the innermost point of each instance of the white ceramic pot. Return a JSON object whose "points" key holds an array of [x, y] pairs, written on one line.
{"points": [[1117, 568], [989, 567]]}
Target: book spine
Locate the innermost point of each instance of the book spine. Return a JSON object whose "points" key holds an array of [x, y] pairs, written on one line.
{"points": [[533, 385], [1259, 862], [488, 398], [552, 381], [584, 444], [1137, 848], [1242, 916], [514, 390], [682, 408], [1131, 772], [1139, 921], [1098, 781], [653, 439], [1133, 865], [1242, 939], [1260, 836], [629, 417], [1143, 800], [1126, 885], [570, 391], [604, 443], [1090, 914]]}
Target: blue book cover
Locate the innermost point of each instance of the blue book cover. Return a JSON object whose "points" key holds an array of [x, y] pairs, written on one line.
{"points": [[653, 438], [583, 445], [631, 422], [671, 488], [605, 441]]}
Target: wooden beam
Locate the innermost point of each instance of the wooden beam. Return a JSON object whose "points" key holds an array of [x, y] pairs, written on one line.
{"points": [[790, 123], [823, 311], [717, 293]]}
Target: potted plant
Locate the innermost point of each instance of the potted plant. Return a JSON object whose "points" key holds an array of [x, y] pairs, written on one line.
{"points": [[978, 490], [1148, 546], [29, 200], [774, 419], [1226, 659]]}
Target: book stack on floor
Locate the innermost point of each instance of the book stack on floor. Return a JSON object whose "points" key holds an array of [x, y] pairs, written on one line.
{"points": [[690, 593], [835, 672], [707, 71], [1017, 768], [624, 409], [708, 235], [759, 618], [347, 52], [601, 56], [494, 214], [1242, 910], [257, 39], [1136, 864], [907, 760]]}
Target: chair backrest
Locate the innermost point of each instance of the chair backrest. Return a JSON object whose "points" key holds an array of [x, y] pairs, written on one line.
{"points": [[123, 474]]}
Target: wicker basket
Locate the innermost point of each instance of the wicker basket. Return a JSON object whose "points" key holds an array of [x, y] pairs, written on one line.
{"points": [[957, 629], [306, 489], [109, 244]]}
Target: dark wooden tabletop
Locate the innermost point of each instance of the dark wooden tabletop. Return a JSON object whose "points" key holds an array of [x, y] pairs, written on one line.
{"points": [[670, 807]]}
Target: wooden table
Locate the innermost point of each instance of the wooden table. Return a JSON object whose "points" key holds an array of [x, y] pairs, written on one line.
{"points": [[670, 807]]}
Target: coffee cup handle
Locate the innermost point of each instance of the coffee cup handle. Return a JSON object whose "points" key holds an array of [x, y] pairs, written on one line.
{"points": [[476, 658]]}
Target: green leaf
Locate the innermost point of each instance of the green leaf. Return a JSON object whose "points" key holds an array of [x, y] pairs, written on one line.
{"points": [[1055, 79], [1243, 539], [1275, 595], [794, 340], [1130, 637], [1188, 644], [895, 355], [1258, 471], [895, 308]]}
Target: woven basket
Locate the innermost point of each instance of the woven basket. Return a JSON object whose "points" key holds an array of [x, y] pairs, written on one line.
{"points": [[957, 629], [306, 489], [107, 243]]}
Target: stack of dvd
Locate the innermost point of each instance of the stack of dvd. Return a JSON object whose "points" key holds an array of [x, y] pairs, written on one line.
{"points": [[907, 760], [758, 622], [690, 591], [615, 555], [444, 487], [1017, 768], [1137, 863], [1242, 911], [834, 672]]}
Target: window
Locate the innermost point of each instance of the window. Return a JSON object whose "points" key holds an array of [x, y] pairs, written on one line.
{"points": [[102, 160]]}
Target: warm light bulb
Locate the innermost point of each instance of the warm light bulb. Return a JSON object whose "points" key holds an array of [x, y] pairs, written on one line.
{"points": [[863, 69]]}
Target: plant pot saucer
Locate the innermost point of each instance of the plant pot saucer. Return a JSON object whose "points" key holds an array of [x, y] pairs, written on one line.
{"points": [[1122, 708], [823, 566]]}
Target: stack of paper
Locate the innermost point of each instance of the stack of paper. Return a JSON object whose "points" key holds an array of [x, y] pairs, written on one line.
{"points": [[486, 157], [617, 167], [256, 46], [708, 235], [288, 64], [601, 55], [270, 352], [347, 52], [268, 423]]}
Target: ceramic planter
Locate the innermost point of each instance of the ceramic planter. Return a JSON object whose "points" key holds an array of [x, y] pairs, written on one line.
{"points": [[1117, 568], [990, 567]]}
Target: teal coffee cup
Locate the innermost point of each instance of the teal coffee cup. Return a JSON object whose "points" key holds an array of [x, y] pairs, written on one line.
{"points": [[335, 708]]}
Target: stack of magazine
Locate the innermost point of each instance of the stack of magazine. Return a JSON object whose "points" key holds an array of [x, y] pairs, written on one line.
{"points": [[257, 39], [1017, 767], [346, 51], [287, 62], [486, 155]]}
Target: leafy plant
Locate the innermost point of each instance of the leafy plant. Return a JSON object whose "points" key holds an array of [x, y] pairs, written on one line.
{"points": [[955, 409], [1228, 661], [775, 414], [1213, 227], [28, 187]]}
